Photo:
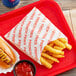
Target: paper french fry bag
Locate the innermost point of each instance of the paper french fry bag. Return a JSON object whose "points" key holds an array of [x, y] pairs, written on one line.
{"points": [[32, 33]]}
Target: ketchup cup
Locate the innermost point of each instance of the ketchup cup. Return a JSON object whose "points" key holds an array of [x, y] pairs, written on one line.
{"points": [[24, 68]]}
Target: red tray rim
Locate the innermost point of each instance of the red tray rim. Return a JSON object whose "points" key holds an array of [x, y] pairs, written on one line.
{"points": [[68, 29]]}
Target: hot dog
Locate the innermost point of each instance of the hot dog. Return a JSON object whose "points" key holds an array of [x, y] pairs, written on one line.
{"points": [[7, 56]]}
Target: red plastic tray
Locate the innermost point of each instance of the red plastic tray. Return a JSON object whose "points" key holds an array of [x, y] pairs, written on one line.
{"points": [[53, 12]]}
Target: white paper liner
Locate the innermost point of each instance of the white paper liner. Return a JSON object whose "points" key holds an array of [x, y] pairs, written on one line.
{"points": [[17, 59], [33, 32]]}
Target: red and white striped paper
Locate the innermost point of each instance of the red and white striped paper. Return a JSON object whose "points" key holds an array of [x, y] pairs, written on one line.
{"points": [[33, 33]]}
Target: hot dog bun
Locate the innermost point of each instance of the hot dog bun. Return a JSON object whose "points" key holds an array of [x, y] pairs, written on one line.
{"points": [[4, 65], [7, 56]]}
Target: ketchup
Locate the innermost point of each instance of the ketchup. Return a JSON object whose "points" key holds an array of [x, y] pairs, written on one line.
{"points": [[24, 69]]}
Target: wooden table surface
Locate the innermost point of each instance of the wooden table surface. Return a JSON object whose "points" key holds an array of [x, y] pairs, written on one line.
{"points": [[69, 10]]}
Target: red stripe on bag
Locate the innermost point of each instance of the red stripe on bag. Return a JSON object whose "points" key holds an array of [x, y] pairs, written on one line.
{"points": [[20, 30], [47, 29], [38, 34], [26, 30], [52, 34], [25, 49], [41, 45], [36, 53], [30, 48], [8, 35], [40, 29], [19, 43], [34, 26], [31, 18], [13, 38]]}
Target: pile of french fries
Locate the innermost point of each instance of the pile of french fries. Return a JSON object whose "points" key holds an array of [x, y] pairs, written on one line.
{"points": [[53, 51]]}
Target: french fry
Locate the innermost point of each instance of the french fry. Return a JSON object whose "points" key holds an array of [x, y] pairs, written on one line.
{"points": [[55, 55], [49, 57], [58, 43], [68, 46], [52, 50], [48, 60], [44, 50], [45, 63], [58, 48], [58, 56], [62, 40], [49, 53], [51, 44]]}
